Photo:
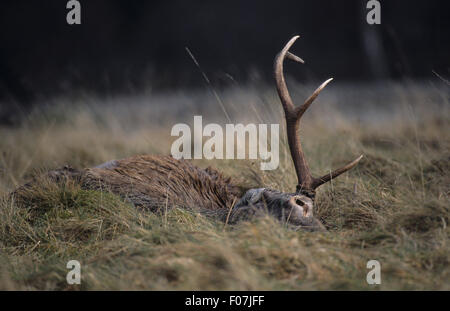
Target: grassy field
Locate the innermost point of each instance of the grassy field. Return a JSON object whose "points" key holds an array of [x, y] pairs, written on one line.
{"points": [[393, 207]]}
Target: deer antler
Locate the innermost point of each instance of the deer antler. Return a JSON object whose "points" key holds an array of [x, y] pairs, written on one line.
{"points": [[306, 182]]}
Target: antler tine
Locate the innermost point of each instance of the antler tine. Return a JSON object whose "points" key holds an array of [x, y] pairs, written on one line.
{"points": [[294, 57], [327, 177], [301, 110], [283, 92]]}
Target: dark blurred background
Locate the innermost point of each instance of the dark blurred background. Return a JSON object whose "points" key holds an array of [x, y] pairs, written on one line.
{"points": [[126, 46]]}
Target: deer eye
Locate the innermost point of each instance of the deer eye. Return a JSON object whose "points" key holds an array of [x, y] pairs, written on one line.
{"points": [[299, 202]]}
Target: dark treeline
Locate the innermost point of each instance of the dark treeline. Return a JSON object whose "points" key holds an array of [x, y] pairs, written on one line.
{"points": [[127, 45]]}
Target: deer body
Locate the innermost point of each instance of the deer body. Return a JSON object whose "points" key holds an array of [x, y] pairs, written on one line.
{"points": [[153, 182], [156, 183]]}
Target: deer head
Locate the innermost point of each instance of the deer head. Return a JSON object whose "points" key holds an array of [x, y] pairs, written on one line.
{"points": [[295, 208]]}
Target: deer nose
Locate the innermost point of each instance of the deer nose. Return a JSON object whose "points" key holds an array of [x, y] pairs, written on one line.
{"points": [[299, 202], [305, 210]]}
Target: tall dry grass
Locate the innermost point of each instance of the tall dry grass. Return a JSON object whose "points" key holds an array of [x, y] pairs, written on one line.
{"points": [[394, 207]]}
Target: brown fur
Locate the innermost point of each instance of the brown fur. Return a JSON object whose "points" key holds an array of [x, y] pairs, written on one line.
{"points": [[150, 181], [156, 182]]}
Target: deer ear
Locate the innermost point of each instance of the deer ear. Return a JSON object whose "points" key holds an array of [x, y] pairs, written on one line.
{"points": [[252, 196], [256, 195]]}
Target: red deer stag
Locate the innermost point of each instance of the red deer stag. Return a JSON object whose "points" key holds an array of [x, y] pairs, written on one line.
{"points": [[152, 182]]}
